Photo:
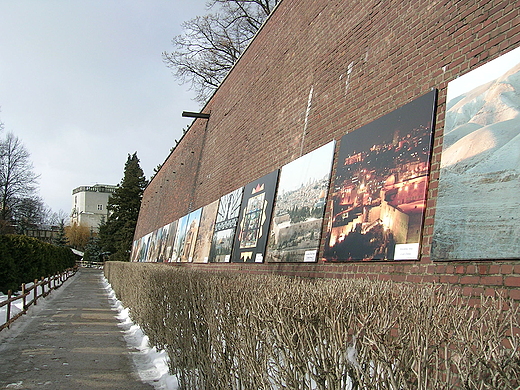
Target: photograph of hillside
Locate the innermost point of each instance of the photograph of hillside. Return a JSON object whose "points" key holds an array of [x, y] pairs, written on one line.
{"points": [[380, 186], [477, 213], [299, 207], [225, 226]]}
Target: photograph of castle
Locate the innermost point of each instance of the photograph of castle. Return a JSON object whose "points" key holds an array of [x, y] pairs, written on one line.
{"points": [[255, 216], [478, 201], [299, 207], [379, 193], [225, 226]]}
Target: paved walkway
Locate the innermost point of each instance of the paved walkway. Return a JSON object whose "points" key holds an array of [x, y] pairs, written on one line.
{"points": [[72, 343]]}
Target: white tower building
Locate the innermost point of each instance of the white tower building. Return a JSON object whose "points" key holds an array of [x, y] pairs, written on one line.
{"points": [[89, 205]]}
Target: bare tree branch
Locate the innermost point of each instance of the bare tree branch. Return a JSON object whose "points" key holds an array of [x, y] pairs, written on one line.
{"points": [[18, 182], [211, 44]]}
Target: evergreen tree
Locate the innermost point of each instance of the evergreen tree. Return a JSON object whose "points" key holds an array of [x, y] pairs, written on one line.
{"points": [[117, 233], [92, 249], [61, 238]]}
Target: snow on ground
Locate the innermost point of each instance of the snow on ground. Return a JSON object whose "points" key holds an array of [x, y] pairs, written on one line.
{"points": [[16, 306], [151, 365]]}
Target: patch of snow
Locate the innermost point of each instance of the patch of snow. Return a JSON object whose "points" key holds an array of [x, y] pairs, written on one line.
{"points": [[151, 364]]}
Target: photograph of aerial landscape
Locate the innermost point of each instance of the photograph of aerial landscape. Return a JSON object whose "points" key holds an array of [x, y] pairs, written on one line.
{"points": [[225, 226], [299, 207], [477, 214], [253, 223], [380, 186]]}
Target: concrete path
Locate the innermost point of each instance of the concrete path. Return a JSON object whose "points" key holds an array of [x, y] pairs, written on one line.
{"points": [[71, 342]]}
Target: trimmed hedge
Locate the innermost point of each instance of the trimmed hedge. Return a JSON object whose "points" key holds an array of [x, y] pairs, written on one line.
{"points": [[230, 331], [23, 259]]}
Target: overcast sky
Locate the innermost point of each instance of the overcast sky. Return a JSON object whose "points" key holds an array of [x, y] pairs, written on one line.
{"points": [[82, 84]]}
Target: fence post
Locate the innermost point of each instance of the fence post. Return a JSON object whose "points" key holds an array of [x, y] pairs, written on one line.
{"points": [[35, 292], [24, 299], [8, 313]]}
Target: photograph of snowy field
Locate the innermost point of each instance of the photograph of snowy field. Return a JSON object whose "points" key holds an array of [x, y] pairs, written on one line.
{"points": [[299, 207], [477, 213], [380, 186]]}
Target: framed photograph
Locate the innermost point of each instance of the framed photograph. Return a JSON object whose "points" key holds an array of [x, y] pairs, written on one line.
{"points": [[299, 207], [189, 237], [478, 200], [225, 227], [168, 237], [254, 219], [205, 233], [380, 186]]}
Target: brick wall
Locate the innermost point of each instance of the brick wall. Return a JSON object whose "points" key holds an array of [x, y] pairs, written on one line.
{"points": [[352, 62]]}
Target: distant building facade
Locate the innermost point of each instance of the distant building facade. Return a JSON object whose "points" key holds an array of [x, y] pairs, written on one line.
{"points": [[42, 232], [89, 205]]}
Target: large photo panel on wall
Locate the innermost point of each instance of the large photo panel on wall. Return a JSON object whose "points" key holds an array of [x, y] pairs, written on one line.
{"points": [[206, 229], [299, 207], [477, 214], [380, 186], [255, 216], [225, 226]]}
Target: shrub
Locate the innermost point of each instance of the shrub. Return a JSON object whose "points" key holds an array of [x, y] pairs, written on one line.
{"points": [[23, 259], [236, 331]]}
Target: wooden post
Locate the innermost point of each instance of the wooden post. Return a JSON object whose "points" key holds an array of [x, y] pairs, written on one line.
{"points": [[8, 313], [24, 299], [35, 287]]}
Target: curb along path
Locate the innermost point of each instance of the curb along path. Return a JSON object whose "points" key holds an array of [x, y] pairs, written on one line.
{"points": [[72, 343]]}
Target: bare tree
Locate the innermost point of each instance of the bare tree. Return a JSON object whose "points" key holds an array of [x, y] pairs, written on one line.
{"points": [[211, 44], [18, 182]]}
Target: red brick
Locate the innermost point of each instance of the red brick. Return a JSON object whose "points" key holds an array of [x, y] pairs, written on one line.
{"points": [[514, 294], [491, 280], [512, 281], [469, 279]]}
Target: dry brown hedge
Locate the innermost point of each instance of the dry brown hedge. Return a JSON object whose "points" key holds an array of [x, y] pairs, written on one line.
{"points": [[236, 331]]}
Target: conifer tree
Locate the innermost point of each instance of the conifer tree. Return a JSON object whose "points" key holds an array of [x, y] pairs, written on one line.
{"points": [[92, 249], [61, 237], [117, 233]]}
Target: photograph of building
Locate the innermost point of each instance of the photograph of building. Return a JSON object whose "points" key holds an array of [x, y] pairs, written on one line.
{"points": [[205, 233], [299, 207], [380, 186], [255, 217], [225, 226]]}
